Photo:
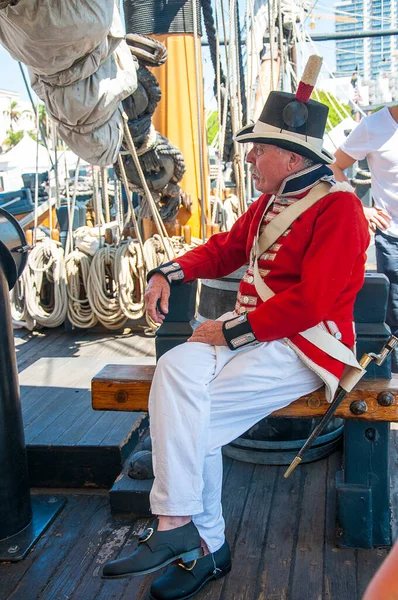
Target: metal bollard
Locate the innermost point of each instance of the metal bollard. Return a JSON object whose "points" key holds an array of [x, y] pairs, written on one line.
{"points": [[22, 518], [15, 505]]}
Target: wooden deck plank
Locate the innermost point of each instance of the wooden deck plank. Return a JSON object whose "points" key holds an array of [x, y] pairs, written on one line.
{"points": [[117, 588], [252, 535], [235, 495], [80, 554], [393, 468], [60, 346], [368, 562], [274, 574], [25, 580], [95, 434], [61, 402], [80, 403], [73, 434], [340, 571], [307, 568]]}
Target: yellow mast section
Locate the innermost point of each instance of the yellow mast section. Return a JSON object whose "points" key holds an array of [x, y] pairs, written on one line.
{"points": [[176, 117]]}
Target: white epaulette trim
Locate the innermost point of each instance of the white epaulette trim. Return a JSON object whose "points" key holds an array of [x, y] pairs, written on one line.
{"points": [[341, 186]]}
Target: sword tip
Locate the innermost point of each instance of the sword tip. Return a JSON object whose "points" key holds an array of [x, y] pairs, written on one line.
{"points": [[292, 466]]}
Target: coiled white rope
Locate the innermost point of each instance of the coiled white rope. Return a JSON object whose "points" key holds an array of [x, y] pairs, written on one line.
{"points": [[80, 313], [46, 266], [130, 276], [19, 310], [102, 289]]}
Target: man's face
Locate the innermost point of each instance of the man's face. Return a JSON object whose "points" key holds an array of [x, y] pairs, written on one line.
{"points": [[269, 167]]}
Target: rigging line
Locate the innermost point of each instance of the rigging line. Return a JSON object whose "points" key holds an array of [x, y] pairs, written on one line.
{"points": [[333, 77], [338, 12], [155, 213], [69, 239], [271, 43], [37, 179], [300, 37], [281, 47], [202, 200], [42, 132], [130, 202]]}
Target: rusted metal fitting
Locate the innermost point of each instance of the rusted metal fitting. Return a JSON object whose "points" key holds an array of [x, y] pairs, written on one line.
{"points": [[121, 396], [313, 402], [358, 407], [386, 399]]}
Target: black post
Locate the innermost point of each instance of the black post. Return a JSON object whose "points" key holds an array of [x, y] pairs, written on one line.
{"points": [[22, 518], [15, 504]]}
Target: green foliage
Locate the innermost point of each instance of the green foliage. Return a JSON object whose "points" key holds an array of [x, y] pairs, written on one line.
{"points": [[212, 127], [334, 117], [13, 138]]}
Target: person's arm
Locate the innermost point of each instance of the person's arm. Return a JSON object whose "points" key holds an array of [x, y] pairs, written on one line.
{"points": [[222, 254], [384, 585], [343, 161], [376, 217]]}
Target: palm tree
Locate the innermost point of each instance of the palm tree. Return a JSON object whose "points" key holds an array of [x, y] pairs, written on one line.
{"points": [[13, 113]]}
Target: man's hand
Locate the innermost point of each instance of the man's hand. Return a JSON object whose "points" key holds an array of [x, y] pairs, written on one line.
{"points": [[209, 332], [158, 290], [377, 218]]}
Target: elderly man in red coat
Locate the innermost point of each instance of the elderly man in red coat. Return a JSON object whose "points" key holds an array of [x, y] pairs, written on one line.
{"points": [[304, 242]]}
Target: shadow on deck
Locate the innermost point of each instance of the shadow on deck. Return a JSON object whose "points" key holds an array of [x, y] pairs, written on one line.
{"points": [[282, 532]]}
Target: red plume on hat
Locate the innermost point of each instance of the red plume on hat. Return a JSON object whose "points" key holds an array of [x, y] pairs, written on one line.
{"points": [[308, 80], [293, 121]]}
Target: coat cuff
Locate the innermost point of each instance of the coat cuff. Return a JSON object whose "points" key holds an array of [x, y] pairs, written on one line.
{"points": [[171, 271], [238, 332]]}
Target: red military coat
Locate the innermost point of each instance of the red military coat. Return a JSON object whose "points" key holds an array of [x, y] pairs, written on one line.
{"points": [[315, 270]]}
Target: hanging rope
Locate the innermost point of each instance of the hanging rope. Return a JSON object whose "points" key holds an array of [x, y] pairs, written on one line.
{"points": [[130, 275], [46, 297], [19, 309], [102, 289], [155, 213], [80, 313]]}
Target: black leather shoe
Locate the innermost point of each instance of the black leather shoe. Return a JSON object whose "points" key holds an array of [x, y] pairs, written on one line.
{"points": [[157, 549], [184, 580]]}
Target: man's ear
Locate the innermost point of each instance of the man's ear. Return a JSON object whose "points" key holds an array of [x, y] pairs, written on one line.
{"points": [[295, 161]]}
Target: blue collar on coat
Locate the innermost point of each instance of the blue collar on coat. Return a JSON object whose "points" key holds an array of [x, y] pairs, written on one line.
{"points": [[300, 182]]}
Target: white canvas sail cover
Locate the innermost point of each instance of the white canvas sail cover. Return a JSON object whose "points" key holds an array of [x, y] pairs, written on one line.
{"points": [[80, 66]]}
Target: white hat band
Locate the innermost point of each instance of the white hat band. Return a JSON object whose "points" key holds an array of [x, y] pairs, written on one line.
{"points": [[264, 128]]}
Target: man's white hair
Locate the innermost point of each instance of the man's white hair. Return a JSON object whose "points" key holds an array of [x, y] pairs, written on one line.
{"points": [[307, 162]]}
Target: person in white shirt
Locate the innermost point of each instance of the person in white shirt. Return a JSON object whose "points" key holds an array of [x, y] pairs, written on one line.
{"points": [[376, 139]]}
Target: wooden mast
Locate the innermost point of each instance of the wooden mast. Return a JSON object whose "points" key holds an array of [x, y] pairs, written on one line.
{"points": [[176, 118]]}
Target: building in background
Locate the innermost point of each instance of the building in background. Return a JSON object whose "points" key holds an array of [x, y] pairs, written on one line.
{"points": [[374, 59]]}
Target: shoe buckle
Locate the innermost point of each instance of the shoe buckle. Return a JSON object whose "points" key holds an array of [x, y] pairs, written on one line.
{"points": [[187, 568], [148, 533]]}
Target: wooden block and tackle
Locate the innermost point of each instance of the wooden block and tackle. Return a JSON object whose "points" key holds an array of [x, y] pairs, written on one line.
{"points": [[126, 388]]}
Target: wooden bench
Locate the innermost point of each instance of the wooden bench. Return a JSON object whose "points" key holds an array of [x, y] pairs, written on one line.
{"points": [[362, 486], [126, 388]]}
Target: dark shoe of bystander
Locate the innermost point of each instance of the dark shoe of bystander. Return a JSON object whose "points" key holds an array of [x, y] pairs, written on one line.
{"points": [[157, 549], [184, 580]]}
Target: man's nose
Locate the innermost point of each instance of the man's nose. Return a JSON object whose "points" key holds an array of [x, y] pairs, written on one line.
{"points": [[250, 156]]}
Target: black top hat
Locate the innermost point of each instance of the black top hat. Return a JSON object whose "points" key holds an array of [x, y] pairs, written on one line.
{"points": [[293, 121]]}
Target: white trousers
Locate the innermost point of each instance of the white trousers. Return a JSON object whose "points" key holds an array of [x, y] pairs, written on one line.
{"points": [[203, 397]]}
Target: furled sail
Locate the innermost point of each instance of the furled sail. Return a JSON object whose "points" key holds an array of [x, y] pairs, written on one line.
{"points": [[79, 65]]}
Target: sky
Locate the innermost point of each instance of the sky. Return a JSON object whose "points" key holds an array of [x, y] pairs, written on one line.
{"points": [[11, 78]]}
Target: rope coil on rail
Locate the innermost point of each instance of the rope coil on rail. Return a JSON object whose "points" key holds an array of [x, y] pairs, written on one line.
{"points": [[46, 268], [80, 312], [102, 289], [130, 275]]}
